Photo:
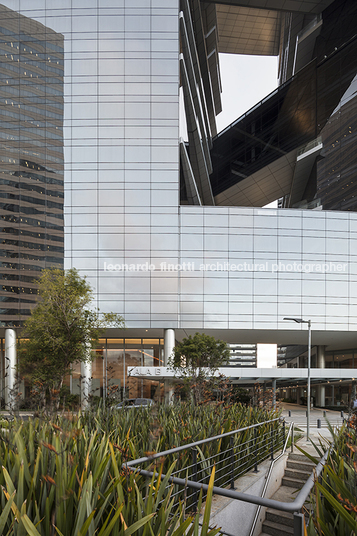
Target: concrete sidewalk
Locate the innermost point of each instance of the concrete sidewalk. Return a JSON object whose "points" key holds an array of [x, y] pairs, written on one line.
{"points": [[298, 417]]}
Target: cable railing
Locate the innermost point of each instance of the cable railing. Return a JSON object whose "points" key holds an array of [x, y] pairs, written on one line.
{"points": [[232, 454]]}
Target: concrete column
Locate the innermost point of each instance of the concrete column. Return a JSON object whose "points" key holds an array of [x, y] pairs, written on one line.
{"points": [[86, 383], [10, 367], [169, 345], [274, 393], [321, 356], [320, 396]]}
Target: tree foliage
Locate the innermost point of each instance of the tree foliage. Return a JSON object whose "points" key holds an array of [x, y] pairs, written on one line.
{"points": [[196, 361], [61, 331]]}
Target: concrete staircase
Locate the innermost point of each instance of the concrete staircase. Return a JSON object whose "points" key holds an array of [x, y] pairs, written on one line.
{"points": [[298, 470]]}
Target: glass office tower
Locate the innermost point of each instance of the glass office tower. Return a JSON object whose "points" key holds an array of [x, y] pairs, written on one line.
{"points": [[116, 67]]}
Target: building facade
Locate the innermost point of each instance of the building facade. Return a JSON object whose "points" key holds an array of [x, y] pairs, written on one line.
{"points": [[31, 159], [171, 233]]}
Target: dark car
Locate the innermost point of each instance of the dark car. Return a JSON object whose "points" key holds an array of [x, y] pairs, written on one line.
{"points": [[135, 403]]}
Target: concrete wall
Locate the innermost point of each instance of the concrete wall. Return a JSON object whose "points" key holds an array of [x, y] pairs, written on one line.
{"points": [[236, 517]]}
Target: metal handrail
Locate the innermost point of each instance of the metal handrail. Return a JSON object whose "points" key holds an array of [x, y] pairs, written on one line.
{"points": [[292, 507], [291, 429], [240, 456]]}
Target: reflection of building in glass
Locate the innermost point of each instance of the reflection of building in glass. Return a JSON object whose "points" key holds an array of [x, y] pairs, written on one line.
{"points": [[31, 159], [337, 168]]}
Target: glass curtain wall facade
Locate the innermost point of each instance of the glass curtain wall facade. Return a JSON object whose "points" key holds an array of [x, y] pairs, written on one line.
{"points": [[116, 72], [113, 360], [31, 158], [99, 81], [336, 170]]}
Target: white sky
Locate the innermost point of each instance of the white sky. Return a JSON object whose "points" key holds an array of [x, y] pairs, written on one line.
{"points": [[246, 80]]}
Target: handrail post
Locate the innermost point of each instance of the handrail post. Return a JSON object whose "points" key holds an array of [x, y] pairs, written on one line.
{"points": [[256, 470], [292, 438], [283, 435], [272, 443], [194, 477], [298, 524], [231, 440]]}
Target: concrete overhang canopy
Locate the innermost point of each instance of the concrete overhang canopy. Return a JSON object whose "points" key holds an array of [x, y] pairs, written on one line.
{"points": [[284, 333], [253, 26], [255, 375], [243, 30], [297, 6]]}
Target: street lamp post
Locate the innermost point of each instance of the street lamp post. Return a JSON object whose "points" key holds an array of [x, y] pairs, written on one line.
{"points": [[308, 322]]}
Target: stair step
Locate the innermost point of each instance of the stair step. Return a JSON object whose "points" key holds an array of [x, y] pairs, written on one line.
{"points": [[293, 482], [296, 473], [285, 494], [277, 529], [298, 470], [301, 465], [299, 458], [284, 518]]}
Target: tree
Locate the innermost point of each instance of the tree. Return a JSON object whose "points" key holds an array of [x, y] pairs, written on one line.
{"points": [[61, 331], [196, 361]]}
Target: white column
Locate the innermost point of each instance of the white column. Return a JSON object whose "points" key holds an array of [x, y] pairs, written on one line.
{"points": [[321, 395], [169, 344], [321, 364], [86, 382], [321, 356], [10, 366]]}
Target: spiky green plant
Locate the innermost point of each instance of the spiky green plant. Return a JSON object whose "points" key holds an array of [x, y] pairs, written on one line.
{"points": [[68, 477], [334, 496], [67, 481]]}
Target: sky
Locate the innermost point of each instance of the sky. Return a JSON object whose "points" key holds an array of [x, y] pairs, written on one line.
{"points": [[246, 80]]}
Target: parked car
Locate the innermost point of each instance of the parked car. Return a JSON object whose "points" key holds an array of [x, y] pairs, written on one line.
{"points": [[135, 403]]}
